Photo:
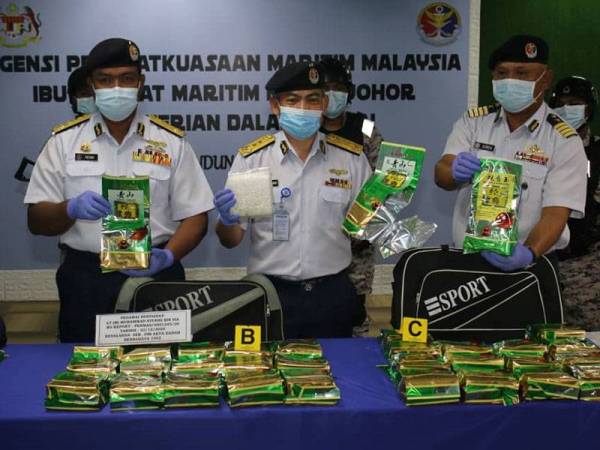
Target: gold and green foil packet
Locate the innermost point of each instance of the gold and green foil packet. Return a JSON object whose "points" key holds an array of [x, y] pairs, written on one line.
{"points": [[200, 351], [254, 388], [129, 392], [549, 386], [204, 367], [483, 364], [576, 349], [521, 366], [396, 175], [495, 192], [126, 241], [468, 351], [554, 333], [106, 367], [290, 366], [495, 388], [300, 349], [72, 391], [430, 389], [311, 390], [520, 348], [189, 390], [84, 352]]}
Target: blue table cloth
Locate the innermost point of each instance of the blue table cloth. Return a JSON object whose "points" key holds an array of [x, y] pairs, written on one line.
{"points": [[370, 415]]}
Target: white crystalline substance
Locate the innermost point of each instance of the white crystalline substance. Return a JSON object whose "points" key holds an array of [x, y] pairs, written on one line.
{"points": [[253, 192]]}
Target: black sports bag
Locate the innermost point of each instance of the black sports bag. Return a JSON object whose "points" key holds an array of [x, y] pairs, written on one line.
{"points": [[465, 298], [217, 306]]}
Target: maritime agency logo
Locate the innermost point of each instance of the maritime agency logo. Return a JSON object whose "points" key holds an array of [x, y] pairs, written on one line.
{"points": [[438, 24], [19, 27]]}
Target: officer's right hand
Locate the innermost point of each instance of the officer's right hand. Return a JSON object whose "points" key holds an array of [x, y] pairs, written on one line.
{"points": [[464, 166], [224, 201], [88, 206]]}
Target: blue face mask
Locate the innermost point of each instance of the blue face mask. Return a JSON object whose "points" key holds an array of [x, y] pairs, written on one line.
{"points": [[574, 115], [300, 123], [337, 103], [116, 103], [515, 95], [86, 105]]}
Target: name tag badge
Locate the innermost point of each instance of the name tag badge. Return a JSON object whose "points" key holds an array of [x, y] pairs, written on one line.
{"points": [[86, 157], [484, 146], [281, 224]]}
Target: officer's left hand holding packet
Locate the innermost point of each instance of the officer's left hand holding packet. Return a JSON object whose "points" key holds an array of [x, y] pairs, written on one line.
{"points": [[375, 214]]}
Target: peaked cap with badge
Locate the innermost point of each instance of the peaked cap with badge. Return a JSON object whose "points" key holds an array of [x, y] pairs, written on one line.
{"points": [[521, 48], [295, 77], [114, 52]]}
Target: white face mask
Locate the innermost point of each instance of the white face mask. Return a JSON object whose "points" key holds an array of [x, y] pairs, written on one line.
{"points": [[515, 95], [574, 115], [116, 103]]}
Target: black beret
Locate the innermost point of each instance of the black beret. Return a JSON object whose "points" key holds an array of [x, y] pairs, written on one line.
{"points": [[295, 77], [578, 87], [521, 48], [334, 71], [77, 80], [114, 52]]}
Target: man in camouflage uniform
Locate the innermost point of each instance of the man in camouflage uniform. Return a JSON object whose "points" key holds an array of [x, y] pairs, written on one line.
{"points": [[581, 289], [575, 99], [355, 127]]}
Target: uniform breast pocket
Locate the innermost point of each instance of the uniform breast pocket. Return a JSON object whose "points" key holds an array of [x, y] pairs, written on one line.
{"points": [[159, 181], [334, 202], [532, 181], [83, 176]]}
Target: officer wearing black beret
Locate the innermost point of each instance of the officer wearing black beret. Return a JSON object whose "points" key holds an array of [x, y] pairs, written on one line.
{"points": [[521, 127], [64, 193], [81, 96], [575, 99], [301, 248]]}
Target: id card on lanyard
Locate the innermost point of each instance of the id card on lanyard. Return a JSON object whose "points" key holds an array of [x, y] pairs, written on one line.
{"points": [[281, 218]]}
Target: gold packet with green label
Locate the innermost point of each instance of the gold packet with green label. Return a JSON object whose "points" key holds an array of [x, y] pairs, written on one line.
{"points": [[492, 224]]}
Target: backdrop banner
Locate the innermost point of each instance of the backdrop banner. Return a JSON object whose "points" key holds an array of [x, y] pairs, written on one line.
{"points": [[206, 64]]}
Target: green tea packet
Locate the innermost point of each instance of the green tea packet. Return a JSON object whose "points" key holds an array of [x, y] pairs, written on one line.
{"points": [[430, 389], [494, 388], [549, 386], [311, 390], [396, 177], [519, 348], [126, 242], [76, 392], [249, 388], [84, 352], [129, 392], [185, 390], [492, 224]]}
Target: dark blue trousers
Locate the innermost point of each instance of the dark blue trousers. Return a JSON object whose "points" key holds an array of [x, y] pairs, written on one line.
{"points": [[85, 291], [319, 308]]}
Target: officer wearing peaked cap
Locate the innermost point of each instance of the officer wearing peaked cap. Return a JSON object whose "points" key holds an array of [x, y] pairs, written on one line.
{"points": [[523, 128], [64, 195], [302, 249]]}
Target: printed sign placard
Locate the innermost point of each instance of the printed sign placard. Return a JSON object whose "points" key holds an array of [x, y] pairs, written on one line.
{"points": [[157, 327]]}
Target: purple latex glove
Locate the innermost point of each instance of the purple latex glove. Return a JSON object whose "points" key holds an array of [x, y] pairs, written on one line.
{"points": [[464, 166], [88, 206], [160, 259], [521, 257], [225, 200]]}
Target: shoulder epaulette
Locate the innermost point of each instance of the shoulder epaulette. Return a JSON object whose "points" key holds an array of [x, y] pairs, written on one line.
{"points": [[561, 127], [70, 123], [344, 144], [166, 126], [481, 111], [256, 145]]}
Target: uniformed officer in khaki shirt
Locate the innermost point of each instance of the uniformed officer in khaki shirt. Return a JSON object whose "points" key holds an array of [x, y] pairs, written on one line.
{"points": [[522, 128], [64, 192]]}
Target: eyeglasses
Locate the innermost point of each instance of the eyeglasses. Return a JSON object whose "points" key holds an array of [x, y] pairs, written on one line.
{"points": [[103, 80]]}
